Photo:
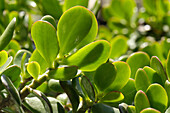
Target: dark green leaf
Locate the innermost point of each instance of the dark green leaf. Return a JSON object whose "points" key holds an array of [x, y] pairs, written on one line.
{"points": [[68, 34], [104, 76], [63, 73], [85, 82], [55, 86], [7, 34], [49, 19], [90, 57], [141, 101], [45, 38], [7, 63], [131, 109]]}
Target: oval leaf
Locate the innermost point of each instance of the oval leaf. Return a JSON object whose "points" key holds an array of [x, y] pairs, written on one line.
{"points": [[7, 34], [49, 19], [137, 60], [33, 69], [158, 67], [7, 63], [104, 76], [141, 80], [90, 57], [71, 33], [141, 101], [63, 73], [45, 38], [121, 77], [3, 57], [150, 110], [157, 97], [54, 85], [87, 85], [131, 109]]}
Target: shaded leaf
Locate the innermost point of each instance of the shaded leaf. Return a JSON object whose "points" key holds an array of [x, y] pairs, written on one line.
{"points": [[90, 57], [55, 85], [50, 19], [131, 109], [7, 63], [104, 76], [63, 73]]}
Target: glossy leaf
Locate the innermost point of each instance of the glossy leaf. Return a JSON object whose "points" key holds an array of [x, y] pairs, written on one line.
{"points": [[74, 98], [52, 7], [11, 89], [104, 76], [102, 108], [157, 97], [121, 77], [3, 57], [33, 69], [119, 46], [137, 60], [45, 38], [129, 91], [90, 57], [7, 63], [44, 100], [123, 108], [158, 67], [150, 110], [141, 101], [112, 97], [152, 75], [7, 35], [63, 73], [167, 88], [85, 82], [68, 34], [141, 80], [168, 65], [38, 58], [54, 85], [68, 4], [50, 19]]}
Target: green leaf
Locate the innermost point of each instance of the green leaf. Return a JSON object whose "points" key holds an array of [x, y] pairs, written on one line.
{"points": [[45, 38], [102, 108], [13, 45], [157, 97], [7, 63], [104, 33], [33, 69], [71, 33], [123, 108], [167, 88], [38, 58], [121, 77], [112, 97], [104, 76], [88, 87], [137, 60], [129, 91], [52, 7], [119, 46], [90, 57], [50, 19], [168, 65], [68, 4], [3, 57], [150, 110], [63, 73], [11, 89], [44, 100], [156, 64], [141, 101], [71, 93], [141, 80], [7, 34], [152, 75], [54, 85], [131, 109]]}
